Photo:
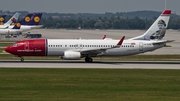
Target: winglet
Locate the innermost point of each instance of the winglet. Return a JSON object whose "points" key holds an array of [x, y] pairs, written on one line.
{"points": [[104, 37], [121, 41]]}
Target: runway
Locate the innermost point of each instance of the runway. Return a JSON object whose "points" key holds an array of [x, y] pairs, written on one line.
{"points": [[95, 64]]}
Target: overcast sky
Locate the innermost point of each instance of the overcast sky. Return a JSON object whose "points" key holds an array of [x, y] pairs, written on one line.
{"points": [[88, 6]]}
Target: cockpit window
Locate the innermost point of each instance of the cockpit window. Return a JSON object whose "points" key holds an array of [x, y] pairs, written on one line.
{"points": [[15, 45]]}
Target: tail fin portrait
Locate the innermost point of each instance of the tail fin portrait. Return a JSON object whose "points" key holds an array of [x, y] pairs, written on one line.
{"points": [[158, 28]]}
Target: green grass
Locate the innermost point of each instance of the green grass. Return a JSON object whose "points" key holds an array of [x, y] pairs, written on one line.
{"points": [[1, 49], [89, 85], [5, 44], [8, 40]]}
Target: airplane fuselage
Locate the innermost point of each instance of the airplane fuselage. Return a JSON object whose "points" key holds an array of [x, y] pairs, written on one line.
{"points": [[58, 47], [9, 31], [25, 28]]}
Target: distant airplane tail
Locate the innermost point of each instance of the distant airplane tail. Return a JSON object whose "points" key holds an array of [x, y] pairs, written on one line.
{"points": [[26, 20], [32, 19], [17, 25], [158, 28], [2, 18], [13, 19]]}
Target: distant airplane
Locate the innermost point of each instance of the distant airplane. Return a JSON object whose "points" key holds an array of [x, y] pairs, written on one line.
{"points": [[73, 49], [10, 21], [30, 21], [14, 30]]}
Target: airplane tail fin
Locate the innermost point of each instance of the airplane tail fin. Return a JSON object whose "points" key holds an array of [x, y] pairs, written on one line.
{"points": [[34, 19], [17, 25], [158, 28], [26, 19], [13, 19], [2, 18]]}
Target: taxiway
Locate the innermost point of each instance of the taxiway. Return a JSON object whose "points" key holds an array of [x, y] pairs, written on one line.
{"points": [[95, 64]]}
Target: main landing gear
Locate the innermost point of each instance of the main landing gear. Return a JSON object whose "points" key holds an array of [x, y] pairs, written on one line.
{"points": [[88, 59]]}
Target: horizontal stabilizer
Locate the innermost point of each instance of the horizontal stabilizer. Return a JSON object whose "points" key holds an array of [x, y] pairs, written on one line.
{"points": [[163, 41]]}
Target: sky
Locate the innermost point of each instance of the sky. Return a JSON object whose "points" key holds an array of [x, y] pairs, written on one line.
{"points": [[88, 6]]}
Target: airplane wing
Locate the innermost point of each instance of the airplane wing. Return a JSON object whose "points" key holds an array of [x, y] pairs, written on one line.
{"points": [[102, 50]]}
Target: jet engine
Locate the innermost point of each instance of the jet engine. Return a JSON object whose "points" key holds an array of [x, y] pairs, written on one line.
{"points": [[71, 55]]}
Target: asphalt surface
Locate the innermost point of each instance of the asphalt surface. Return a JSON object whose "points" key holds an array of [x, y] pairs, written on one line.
{"points": [[95, 64]]}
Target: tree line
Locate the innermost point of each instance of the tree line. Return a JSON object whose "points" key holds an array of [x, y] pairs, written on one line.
{"points": [[105, 23], [119, 20]]}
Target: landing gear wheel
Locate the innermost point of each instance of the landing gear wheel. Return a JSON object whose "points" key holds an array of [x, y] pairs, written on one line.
{"points": [[22, 59], [88, 59]]}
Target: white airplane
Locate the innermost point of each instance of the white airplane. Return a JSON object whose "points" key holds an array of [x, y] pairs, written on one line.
{"points": [[14, 30], [10, 21], [72, 49]]}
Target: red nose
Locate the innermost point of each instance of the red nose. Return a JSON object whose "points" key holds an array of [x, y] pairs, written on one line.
{"points": [[8, 49]]}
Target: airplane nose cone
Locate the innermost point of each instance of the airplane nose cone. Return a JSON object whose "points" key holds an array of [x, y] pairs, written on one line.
{"points": [[8, 49]]}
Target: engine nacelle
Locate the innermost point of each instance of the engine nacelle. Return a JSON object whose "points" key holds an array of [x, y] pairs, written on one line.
{"points": [[71, 55]]}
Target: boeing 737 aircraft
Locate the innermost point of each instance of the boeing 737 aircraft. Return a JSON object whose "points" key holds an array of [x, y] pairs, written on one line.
{"points": [[72, 49], [10, 21]]}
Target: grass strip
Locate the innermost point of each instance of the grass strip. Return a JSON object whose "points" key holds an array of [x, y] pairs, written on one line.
{"points": [[89, 85]]}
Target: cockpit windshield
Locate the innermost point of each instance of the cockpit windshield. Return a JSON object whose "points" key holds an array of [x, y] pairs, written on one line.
{"points": [[15, 45]]}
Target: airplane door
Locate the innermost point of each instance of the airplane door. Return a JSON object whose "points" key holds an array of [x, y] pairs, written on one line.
{"points": [[78, 46], [26, 45], [141, 46]]}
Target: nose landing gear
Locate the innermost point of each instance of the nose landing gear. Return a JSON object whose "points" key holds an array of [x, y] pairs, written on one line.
{"points": [[21, 59]]}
